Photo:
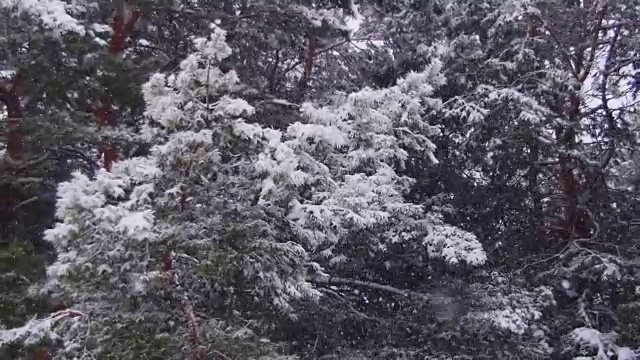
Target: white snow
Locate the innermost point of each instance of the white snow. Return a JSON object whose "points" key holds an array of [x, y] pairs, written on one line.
{"points": [[52, 13]]}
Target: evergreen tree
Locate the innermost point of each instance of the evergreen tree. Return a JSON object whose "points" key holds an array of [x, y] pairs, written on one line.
{"points": [[320, 179]]}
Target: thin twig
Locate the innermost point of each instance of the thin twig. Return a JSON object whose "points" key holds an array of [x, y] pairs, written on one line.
{"points": [[554, 256], [26, 202]]}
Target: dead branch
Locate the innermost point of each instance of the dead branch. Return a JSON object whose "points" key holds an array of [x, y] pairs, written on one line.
{"points": [[373, 286], [593, 46]]}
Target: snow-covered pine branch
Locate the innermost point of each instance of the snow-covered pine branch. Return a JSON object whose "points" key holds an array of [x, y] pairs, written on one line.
{"points": [[53, 14]]}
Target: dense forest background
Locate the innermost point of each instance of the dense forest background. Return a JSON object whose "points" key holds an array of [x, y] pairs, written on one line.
{"points": [[319, 179]]}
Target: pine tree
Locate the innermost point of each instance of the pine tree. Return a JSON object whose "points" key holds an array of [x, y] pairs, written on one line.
{"points": [[442, 179]]}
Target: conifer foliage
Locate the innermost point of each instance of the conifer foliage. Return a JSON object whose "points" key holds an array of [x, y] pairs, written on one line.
{"points": [[444, 179]]}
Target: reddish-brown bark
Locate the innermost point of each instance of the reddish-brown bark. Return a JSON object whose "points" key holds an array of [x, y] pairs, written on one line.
{"points": [[124, 21], [11, 95], [187, 307]]}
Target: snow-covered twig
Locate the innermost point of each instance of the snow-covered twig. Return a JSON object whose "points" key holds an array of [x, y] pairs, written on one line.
{"points": [[374, 286]]}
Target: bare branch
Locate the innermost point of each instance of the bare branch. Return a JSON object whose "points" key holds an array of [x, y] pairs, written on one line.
{"points": [[593, 46], [27, 180], [374, 286], [346, 302], [556, 40], [27, 202], [611, 122]]}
